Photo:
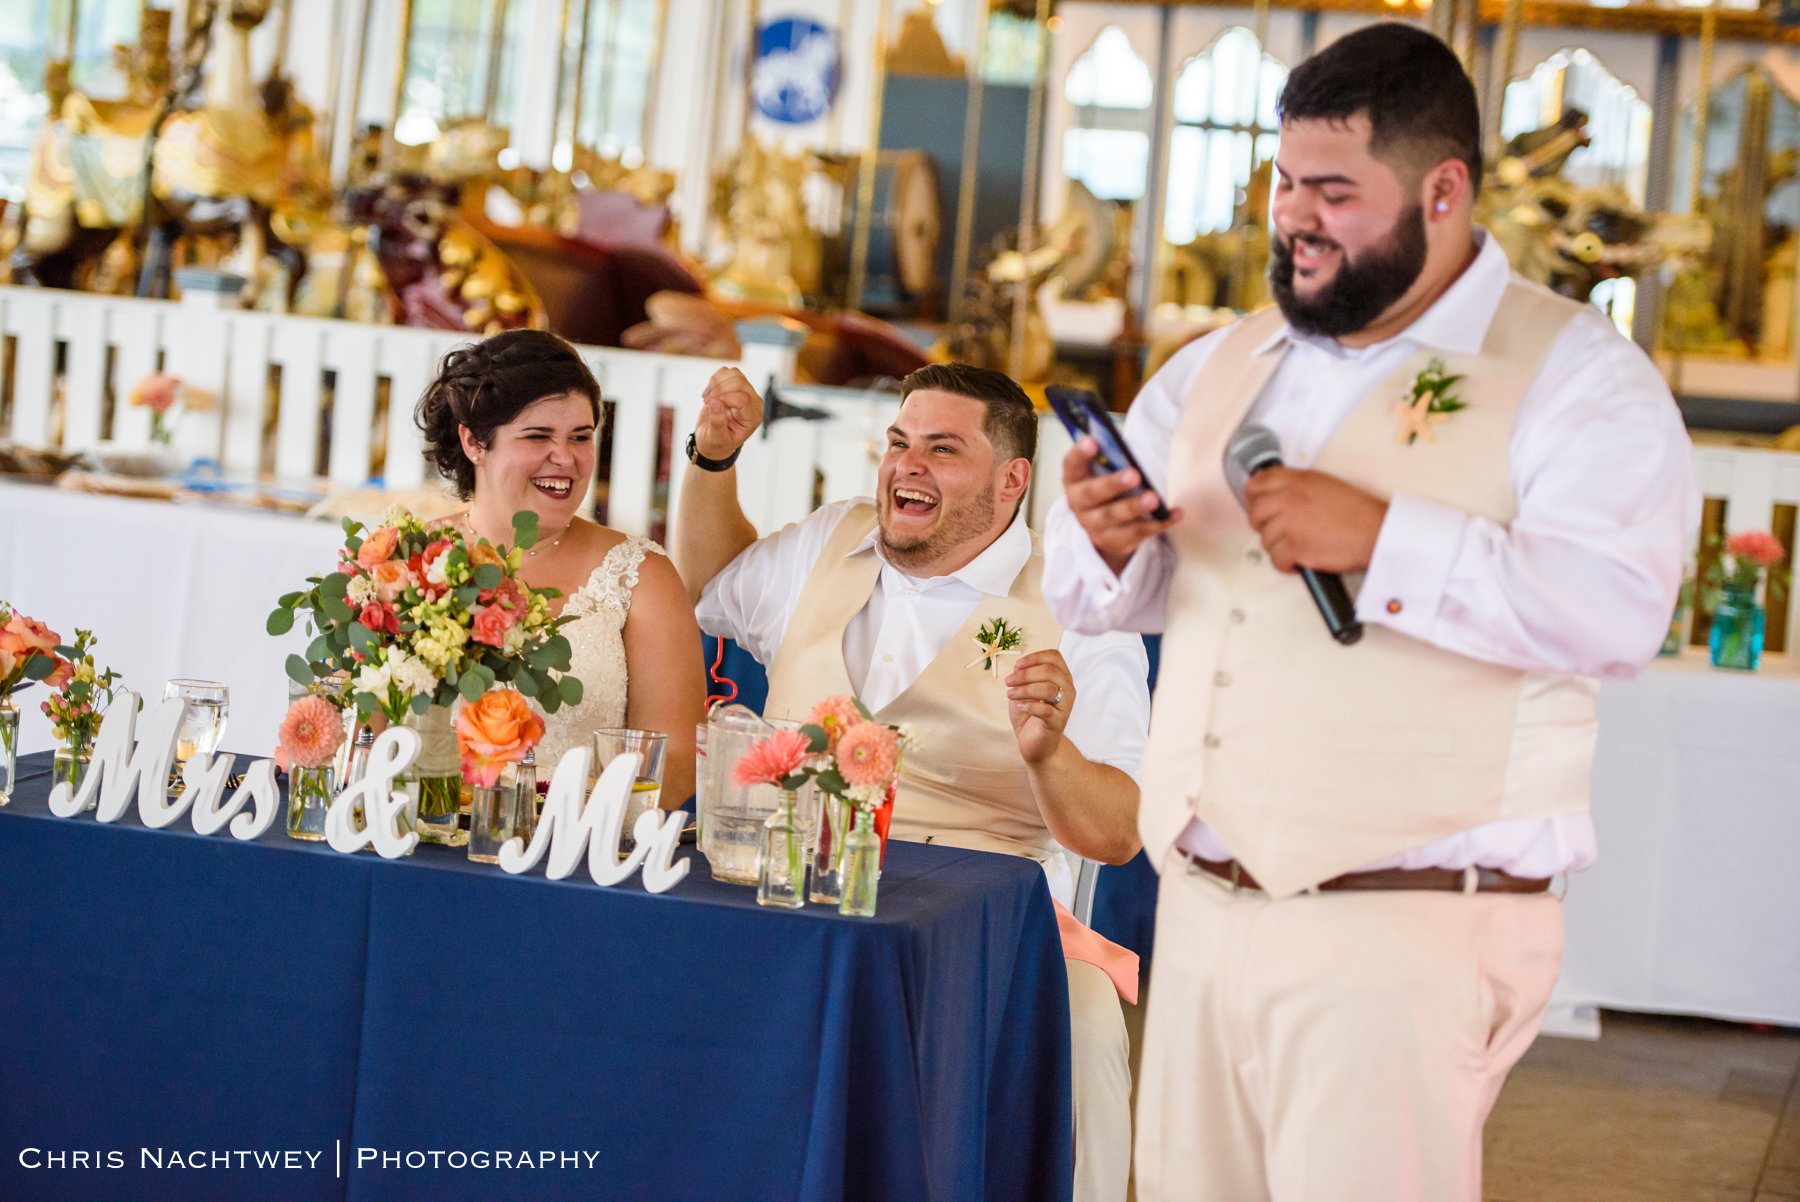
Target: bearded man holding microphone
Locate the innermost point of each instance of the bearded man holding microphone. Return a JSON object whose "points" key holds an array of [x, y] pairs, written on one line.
{"points": [[1356, 826]]}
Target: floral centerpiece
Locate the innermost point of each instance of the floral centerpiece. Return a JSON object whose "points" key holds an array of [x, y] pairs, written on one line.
{"points": [[311, 734], [1728, 590], [29, 652], [77, 707], [854, 761], [167, 399], [419, 616], [493, 733]]}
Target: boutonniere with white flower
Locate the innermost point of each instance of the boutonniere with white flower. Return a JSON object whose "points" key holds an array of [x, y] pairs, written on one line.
{"points": [[1431, 402], [997, 637]]}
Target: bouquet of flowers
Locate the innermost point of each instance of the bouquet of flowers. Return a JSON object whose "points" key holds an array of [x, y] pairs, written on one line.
{"points": [[1739, 566], [840, 748], [30, 651], [495, 730], [75, 710], [418, 616]]}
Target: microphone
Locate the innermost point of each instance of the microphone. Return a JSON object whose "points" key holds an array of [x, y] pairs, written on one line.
{"points": [[1251, 450]]}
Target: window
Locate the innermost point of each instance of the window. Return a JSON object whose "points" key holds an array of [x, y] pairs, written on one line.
{"points": [[1107, 147], [1225, 128]]}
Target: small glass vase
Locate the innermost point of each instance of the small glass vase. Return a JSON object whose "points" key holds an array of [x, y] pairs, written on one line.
{"points": [[433, 784], [357, 767], [1737, 630], [9, 748], [835, 820], [781, 860], [71, 764], [310, 791], [862, 867], [506, 811]]}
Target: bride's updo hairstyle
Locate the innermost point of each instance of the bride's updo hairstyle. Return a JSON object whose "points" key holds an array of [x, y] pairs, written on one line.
{"points": [[487, 385]]}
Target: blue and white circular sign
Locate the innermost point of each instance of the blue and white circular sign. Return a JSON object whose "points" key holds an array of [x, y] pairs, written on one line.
{"points": [[798, 68]]}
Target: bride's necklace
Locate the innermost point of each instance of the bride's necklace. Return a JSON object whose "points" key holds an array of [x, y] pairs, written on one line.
{"points": [[469, 524]]}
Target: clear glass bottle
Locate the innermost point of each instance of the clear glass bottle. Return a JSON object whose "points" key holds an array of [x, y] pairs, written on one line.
{"points": [[309, 796], [781, 859], [862, 867], [433, 784], [359, 768], [9, 748], [506, 811], [835, 817]]}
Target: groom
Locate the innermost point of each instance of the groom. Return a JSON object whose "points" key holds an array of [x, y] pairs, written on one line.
{"points": [[884, 598]]}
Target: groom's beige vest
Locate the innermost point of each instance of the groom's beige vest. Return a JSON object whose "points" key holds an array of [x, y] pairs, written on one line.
{"points": [[964, 783], [1310, 759]]}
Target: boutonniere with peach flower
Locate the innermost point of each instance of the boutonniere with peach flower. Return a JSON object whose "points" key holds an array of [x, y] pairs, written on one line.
{"points": [[1429, 403]]}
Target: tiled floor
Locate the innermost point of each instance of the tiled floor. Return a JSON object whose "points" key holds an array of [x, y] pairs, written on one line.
{"points": [[1658, 1110]]}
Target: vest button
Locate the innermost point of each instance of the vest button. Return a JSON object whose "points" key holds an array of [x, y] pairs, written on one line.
{"points": [[1221, 679], [1237, 615], [887, 659], [1211, 740]]}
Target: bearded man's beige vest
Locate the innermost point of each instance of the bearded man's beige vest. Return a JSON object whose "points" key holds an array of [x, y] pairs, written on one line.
{"points": [[964, 783], [1310, 759]]}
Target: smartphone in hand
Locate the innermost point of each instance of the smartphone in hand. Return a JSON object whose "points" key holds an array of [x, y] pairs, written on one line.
{"points": [[1084, 415]]}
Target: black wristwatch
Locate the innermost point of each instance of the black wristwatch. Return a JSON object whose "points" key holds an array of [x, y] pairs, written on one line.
{"points": [[709, 465]]}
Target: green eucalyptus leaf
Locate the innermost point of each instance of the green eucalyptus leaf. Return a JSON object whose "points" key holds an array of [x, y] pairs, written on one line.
{"points": [[862, 709], [570, 688], [815, 732], [39, 666], [450, 674], [353, 544], [365, 705], [299, 671], [352, 526], [319, 649], [471, 687], [468, 594], [335, 585], [281, 621], [362, 638], [288, 599], [526, 684], [421, 702], [550, 702], [525, 529], [542, 657], [832, 781], [489, 575]]}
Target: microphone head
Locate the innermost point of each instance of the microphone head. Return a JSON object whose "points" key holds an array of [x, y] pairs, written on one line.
{"points": [[1251, 449]]}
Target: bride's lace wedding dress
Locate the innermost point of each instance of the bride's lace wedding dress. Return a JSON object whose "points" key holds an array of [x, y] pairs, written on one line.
{"points": [[597, 652]]}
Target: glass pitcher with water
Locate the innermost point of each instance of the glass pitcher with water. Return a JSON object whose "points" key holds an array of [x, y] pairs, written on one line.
{"points": [[732, 815]]}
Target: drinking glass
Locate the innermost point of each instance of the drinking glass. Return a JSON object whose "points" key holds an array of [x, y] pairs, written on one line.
{"points": [[651, 747], [208, 705]]}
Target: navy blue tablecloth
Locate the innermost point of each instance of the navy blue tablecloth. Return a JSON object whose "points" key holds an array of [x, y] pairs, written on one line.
{"points": [[310, 1025]]}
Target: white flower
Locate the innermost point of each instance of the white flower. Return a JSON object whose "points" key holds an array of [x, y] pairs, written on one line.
{"points": [[909, 734], [867, 795], [373, 679], [411, 673], [361, 590], [435, 570], [394, 514], [513, 639]]}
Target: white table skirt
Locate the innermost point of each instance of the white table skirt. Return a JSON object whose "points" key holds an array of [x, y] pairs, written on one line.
{"points": [[170, 590], [1694, 906]]}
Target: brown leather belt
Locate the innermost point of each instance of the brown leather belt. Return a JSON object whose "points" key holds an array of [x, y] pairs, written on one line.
{"points": [[1444, 880]]}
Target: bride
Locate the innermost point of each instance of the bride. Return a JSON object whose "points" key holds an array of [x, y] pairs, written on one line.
{"points": [[511, 422]]}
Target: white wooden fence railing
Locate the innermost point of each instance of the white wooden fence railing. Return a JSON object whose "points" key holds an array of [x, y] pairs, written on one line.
{"points": [[301, 398]]}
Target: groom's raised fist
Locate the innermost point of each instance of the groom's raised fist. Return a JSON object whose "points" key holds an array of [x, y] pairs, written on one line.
{"points": [[730, 413]]}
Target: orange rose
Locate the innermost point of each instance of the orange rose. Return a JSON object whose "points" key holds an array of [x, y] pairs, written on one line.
{"points": [[378, 547], [61, 675], [157, 391], [391, 578], [28, 634], [484, 552], [496, 729]]}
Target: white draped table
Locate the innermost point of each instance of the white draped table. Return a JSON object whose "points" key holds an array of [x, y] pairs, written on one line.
{"points": [[169, 589], [1694, 907]]}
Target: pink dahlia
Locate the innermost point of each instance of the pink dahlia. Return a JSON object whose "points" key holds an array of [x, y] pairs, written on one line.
{"points": [[311, 732], [1758, 546], [834, 716], [772, 760], [868, 754]]}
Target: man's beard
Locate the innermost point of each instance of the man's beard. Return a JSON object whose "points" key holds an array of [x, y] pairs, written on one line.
{"points": [[1363, 287], [954, 527]]}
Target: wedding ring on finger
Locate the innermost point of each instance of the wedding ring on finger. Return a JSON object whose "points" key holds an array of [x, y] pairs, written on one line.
{"points": [[1056, 701]]}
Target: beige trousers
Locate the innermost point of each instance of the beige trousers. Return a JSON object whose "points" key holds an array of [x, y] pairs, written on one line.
{"points": [[1333, 1047], [1101, 1085]]}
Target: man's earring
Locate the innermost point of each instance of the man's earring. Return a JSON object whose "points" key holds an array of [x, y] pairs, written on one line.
{"points": [[1442, 207]]}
